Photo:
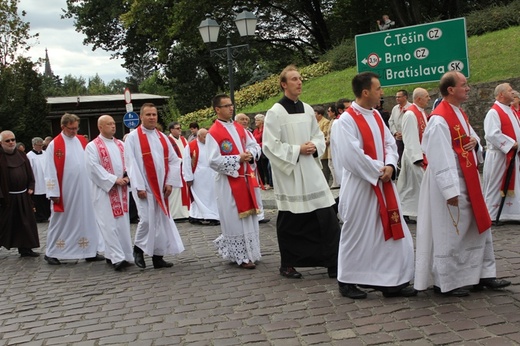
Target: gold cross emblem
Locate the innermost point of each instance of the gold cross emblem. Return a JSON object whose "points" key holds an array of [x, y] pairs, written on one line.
{"points": [[459, 139], [59, 153], [51, 184], [60, 244], [395, 216], [83, 243]]}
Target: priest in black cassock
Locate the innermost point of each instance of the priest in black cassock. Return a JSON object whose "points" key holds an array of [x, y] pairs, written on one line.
{"points": [[18, 227], [307, 226]]}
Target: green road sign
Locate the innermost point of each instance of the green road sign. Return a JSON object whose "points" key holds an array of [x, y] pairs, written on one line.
{"points": [[414, 54]]}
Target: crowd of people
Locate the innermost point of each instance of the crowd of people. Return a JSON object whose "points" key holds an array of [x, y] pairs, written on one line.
{"points": [[417, 168]]}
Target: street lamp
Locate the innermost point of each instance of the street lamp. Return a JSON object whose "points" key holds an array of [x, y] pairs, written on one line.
{"points": [[209, 28]]}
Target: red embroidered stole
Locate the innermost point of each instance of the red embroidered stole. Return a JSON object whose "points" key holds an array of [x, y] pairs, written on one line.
{"points": [[185, 191], [194, 154], [106, 162], [421, 125], [467, 163], [508, 130], [59, 162], [242, 187], [149, 167], [389, 212]]}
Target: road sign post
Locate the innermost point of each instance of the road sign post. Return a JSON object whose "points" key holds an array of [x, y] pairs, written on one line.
{"points": [[414, 54], [131, 120]]}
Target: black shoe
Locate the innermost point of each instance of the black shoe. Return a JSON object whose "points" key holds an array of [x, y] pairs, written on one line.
{"points": [[139, 258], [159, 262], [351, 291], [120, 265], [404, 292], [458, 292], [28, 253], [193, 221], [333, 272], [213, 223], [51, 260], [96, 258], [491, 283], [408, 220], [264, 221], [181, 220], [290, 272], [108, 261]]}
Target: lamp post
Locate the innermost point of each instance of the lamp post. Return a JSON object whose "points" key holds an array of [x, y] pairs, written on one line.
{"points": [[209, 28]]}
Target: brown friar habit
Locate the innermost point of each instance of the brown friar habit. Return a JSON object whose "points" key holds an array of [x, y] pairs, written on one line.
{"points": [[307, 239], [18, 227]]}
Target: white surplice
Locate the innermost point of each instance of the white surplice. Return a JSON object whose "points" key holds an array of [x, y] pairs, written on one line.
{"points": [[364, 255], [410, 178], [239, 241], [498, 145], [444, 258], [177, 210], [115, 230], [300, 186], [74, 233], [204, 204], [38, 167], [156, 232]]}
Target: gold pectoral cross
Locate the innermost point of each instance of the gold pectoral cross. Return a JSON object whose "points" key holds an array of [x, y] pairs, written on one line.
{"points": [[459, 139]]}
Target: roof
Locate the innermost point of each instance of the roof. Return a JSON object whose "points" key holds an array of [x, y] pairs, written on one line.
{"points": [[101, 98]]}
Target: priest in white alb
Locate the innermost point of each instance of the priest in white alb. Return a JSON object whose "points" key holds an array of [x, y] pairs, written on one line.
{"points": [[502, 132], [376, 247], [73, 232], [230, 153], [201, 180], [454, 242], [109, 187], [153, 169], [179, 199], [413, 161]]}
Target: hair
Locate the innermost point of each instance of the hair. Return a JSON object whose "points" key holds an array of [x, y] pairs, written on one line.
{"points": [[194, 125], [69, 118], [404, 92], [20, 144], [516, 93], [419, 92], [37, 140], [146, 105], [240, 115], [216, 100], [319, 109], [333, 108], [283, 74], [172, 124], [449, 79], [501, 88], [362, 81], [260, 117]]}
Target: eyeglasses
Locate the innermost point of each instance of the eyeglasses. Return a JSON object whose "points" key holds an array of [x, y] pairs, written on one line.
{"points": [[72, 128], [176, 128], [226, 106], [10, 140]]}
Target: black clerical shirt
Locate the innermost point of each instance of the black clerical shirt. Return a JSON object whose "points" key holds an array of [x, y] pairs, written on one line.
{"points": [[290, 106]]}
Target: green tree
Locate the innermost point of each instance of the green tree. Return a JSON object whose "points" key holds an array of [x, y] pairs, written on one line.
{"points": [[74, 86], [96, 86], [23, 106], [14, 32]]}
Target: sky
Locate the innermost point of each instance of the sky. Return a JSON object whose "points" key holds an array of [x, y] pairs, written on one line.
{"points": [[67, 53]]}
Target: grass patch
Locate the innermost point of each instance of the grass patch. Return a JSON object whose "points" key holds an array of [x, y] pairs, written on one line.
{"points": [[492, 57]]}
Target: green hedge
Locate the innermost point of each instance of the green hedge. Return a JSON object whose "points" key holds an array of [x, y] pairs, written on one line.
{"points": [[493, 19]]}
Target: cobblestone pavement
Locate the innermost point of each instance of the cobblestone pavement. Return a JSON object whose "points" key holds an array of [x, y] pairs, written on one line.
{"points": [[203, 300]]}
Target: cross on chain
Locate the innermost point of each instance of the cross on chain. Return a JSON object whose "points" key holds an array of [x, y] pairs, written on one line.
{"points": [[459, 139]]}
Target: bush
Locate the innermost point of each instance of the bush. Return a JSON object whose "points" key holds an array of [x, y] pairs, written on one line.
{"points": [[342, 56], [257, 92], [493, 18]]}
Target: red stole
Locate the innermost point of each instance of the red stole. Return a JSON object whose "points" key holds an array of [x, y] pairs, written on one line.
{"points": [[421, 125], [242, 187], [149, 167], [106, 162], [389, 212], [185, 191], [508, 130], [194, 154], [59, 162], [467, 163]]}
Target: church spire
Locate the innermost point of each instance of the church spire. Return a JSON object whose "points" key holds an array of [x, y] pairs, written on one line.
{"points": [[48, 70]]}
